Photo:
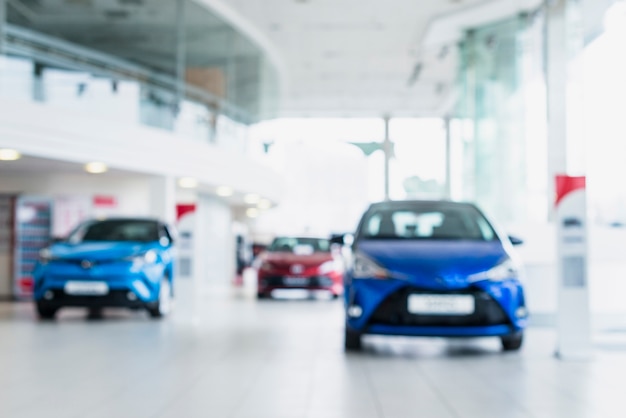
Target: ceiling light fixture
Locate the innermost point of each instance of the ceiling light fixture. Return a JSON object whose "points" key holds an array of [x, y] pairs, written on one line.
{"points": [[252, 213], [96, 167], [224, 191], [7, 154], [264, 204], [252, 198], [188, 182]]}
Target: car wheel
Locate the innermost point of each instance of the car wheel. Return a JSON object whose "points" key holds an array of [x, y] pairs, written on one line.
{"points": [[163, 306], [512, 342], [352, 341], [46, 312], [262, 295]]}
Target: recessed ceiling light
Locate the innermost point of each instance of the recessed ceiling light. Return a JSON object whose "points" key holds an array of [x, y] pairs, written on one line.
{"points": [[224, 191], [252, 212], [264, 204], [96, 167], [188, 182], [7, 154], [252, 198]]}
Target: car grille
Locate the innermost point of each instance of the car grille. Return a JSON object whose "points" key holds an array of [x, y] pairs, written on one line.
{"points": [[394, 310], [307, 282], [115, 297]]}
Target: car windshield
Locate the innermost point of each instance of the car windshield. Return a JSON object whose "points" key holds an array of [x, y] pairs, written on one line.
{"points": [[301, 246], [427, 222], [116, 230]]}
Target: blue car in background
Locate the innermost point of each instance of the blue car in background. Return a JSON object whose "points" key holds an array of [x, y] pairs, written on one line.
{"points": [[108, 263], [432, 268]]}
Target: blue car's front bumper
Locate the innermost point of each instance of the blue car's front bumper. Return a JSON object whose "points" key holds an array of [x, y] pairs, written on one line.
{"points": [[382, 307], [127, 286]]}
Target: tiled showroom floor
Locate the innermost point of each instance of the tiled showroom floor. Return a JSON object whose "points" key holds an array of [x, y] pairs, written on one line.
{"points": [[249, 359]]}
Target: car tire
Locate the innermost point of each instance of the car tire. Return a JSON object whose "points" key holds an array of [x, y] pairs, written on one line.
{"points": [[163, 306], [45, 312], [262, 295], [352, 340], [512, 342]]}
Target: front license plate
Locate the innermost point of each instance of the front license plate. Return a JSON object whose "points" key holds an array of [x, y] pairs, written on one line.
{"points": [[441, 304], [296, 281], [86, 288]]}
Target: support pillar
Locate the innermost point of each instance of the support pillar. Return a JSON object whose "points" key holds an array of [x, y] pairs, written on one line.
{"points": [[163, 198], [564, 41], [448, 161], [387, 150], [38, 91]]}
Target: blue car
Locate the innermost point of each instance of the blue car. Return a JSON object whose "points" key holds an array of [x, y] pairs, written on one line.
{"points": [[432, 269], [108, 263]]}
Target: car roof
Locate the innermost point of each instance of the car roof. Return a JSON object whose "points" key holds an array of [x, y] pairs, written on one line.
{"points": [[130, 219], [392, 204], [299, 237]]}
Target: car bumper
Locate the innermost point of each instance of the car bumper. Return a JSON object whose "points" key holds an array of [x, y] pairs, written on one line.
{"points": [[268, 284], [382, 309], [123, 289], [125, 298], [487, 331]]}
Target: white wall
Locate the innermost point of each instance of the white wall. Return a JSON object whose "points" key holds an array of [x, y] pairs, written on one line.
{"points": [[44, 131], [131, 192]]}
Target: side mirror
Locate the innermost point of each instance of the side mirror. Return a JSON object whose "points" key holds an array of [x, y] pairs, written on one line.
{"points": [[342, 239], [515, 240]]}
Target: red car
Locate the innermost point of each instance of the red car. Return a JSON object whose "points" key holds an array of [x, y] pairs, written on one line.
{"points": [[299, 263]]}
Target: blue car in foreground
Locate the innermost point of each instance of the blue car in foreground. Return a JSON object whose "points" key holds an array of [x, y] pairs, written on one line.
{"points": [[108, 263], [432, 268]]}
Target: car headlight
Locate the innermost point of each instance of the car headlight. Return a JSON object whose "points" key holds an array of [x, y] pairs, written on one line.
{"points": [[330, 266], [364, 267], [267, 266], [503, 271], [149, 257], [45, 256]]}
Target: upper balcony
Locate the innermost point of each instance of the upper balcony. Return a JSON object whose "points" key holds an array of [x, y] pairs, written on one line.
{"points": [[173, 65]]}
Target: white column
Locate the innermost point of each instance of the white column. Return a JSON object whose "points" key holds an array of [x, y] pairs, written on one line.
{"points": [[214, 254], [448, 161], [163, 198], [387, 151], [563, 42]]}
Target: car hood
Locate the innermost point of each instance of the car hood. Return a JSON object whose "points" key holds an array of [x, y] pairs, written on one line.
{"points": [[99, 250], [434, 264], [280, 258]]}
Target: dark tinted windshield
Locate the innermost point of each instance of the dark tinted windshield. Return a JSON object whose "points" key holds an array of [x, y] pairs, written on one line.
{"points": [[300, 245], [427, 222], [117, 230]]}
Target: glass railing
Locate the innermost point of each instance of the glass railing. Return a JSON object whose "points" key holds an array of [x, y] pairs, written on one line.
{"points": [[60, 74]]}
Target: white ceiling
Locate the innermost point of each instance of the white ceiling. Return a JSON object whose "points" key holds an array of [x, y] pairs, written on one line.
{"points": [[355, 57]]}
